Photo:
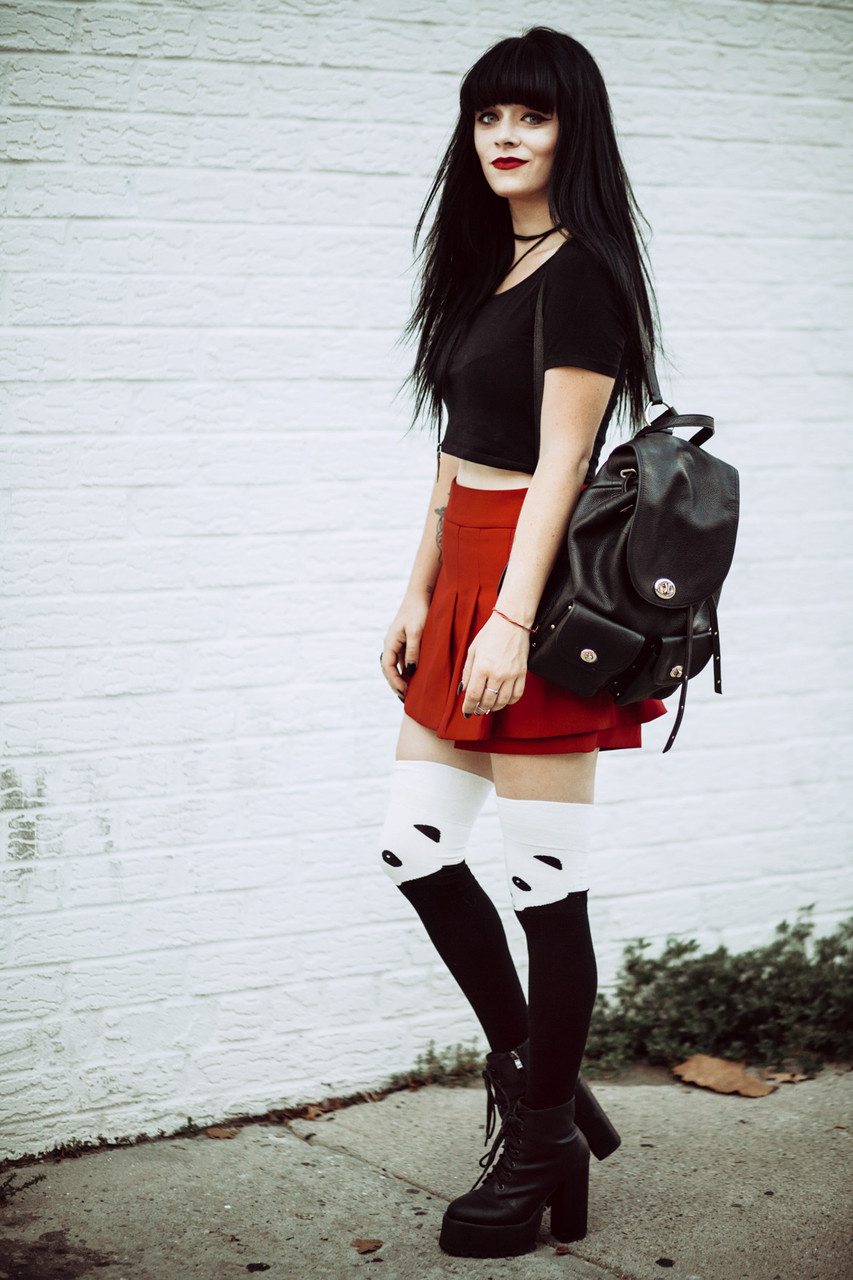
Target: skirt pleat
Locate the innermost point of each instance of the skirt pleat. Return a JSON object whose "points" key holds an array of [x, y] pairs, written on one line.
{"points": [[477, 534]]}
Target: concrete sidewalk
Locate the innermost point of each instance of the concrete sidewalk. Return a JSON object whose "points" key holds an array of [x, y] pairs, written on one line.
{"points": [[704, 1187]]}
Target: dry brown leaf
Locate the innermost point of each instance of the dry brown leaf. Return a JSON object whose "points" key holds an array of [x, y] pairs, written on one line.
{"points": [[562, 1248], [785, 1077], [367, 1246], [721, 1076], [312, 1112], [218, 1132]]}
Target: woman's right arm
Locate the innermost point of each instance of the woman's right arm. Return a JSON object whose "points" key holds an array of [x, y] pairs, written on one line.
{"points": [[403, 639]]}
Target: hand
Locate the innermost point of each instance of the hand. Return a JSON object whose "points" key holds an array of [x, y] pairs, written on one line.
{"points": [[402, 643], [496, 667]]}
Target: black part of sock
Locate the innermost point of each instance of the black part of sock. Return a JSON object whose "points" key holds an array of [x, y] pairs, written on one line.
{"points": [[563, 981], [467, 931]]}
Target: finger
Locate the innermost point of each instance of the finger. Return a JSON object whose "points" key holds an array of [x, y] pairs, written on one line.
{"points": [[493, 696], [389, 661], [413, 647], [517, 690], [468, 703], [476, 702], [390, 665]]}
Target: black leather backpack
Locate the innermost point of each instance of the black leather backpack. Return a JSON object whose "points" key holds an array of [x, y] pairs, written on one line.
{"points": [[631, 604]]}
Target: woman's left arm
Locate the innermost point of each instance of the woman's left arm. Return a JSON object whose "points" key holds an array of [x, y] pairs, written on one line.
{"points": [[573, 404]]}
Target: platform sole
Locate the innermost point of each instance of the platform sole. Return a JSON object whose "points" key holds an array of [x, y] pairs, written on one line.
{"points": [[569, 1206], [474, 1240]]}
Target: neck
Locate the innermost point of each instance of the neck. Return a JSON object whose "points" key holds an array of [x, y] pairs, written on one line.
{"points": [[530, 217]]}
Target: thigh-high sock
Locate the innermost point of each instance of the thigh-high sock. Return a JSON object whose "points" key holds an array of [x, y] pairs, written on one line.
{"points": [[546, 846], [432, 810]]}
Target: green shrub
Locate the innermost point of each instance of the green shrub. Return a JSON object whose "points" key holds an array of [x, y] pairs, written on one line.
{"points": [[790, 1000]]}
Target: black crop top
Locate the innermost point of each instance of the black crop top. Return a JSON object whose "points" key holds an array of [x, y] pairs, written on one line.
{"points": [[488, 389]]}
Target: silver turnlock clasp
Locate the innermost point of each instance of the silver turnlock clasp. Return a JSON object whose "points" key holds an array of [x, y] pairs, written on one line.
{"points": [[665, 588], [589, 655], [676, 673]]}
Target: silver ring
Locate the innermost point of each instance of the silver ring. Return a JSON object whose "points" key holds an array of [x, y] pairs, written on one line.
{"points": [[492, 690]]}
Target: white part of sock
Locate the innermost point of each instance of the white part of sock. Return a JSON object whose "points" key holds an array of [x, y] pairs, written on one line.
{"points": [[430, 815], [546, 844]]}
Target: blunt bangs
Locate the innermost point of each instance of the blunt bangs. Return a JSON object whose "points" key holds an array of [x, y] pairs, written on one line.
{"points": [[516, 70]]}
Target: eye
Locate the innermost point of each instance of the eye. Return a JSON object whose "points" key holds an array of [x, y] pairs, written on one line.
{"points": [[486, 117], [534, 117]]}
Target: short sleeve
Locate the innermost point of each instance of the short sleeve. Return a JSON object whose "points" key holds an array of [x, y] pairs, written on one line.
{"points": [[583, 326]]}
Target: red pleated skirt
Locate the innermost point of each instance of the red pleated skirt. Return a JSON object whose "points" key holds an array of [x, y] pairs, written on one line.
{"points": [[547, 720]]}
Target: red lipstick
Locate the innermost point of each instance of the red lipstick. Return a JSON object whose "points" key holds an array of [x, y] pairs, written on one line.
{"points": [[508, 162]]}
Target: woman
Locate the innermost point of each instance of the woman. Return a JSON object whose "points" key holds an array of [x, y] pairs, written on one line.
{"points": [[533, 196]]}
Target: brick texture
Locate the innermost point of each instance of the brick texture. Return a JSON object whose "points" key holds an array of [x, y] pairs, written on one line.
{"points": [[210, 507]]}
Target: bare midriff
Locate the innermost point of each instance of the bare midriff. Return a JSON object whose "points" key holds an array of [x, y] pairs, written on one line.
{"points": [[475, 475]]}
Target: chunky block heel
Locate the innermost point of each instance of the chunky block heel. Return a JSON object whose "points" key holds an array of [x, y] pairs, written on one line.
{"points": [[569, 1206], [592, 1120]]}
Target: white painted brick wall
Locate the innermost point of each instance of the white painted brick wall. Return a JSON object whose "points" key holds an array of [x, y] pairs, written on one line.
{"points": [[210, 509]]}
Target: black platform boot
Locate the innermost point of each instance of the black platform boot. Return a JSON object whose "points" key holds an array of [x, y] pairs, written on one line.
{"points": [[545, 1160], [506, 1078]]}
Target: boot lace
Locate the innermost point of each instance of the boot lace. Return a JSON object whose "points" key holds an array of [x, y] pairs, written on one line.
{"points": [[492, 1104], [510, 1134]]}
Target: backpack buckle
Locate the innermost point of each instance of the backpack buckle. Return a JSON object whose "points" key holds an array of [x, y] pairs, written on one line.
{"points": [[658, 405]]}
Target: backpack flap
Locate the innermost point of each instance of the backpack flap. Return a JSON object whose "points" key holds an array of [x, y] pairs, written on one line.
{"points": [[682, 536], [590, 649], [660, 669]]}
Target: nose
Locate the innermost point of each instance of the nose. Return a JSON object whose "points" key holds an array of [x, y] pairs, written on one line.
{"points": [[507, 136]]}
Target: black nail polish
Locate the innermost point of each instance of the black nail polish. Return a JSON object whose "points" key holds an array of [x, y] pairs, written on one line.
{"points": [[461, 687], [411, 668], [402, 697], [467, 714]]}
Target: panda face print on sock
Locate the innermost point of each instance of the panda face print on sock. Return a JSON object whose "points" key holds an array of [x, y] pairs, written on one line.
{"points": [[538, 857], [546, 845], [431, 833], [432, 810], [415, 855]]}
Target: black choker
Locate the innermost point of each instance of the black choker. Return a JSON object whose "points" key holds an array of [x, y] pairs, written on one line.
{"points": [[540, 235]]}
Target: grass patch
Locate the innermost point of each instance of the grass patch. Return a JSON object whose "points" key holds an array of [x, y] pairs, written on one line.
{"points": [[457, 1064]]}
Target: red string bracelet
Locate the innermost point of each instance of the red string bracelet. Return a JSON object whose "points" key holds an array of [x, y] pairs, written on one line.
{"points": [[532, 630]]}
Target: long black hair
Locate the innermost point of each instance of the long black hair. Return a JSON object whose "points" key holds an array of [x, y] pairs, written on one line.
{"points": [[469, 247]]}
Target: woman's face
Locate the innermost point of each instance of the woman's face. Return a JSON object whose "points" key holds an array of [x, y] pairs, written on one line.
{"points": [[516, 149]]}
